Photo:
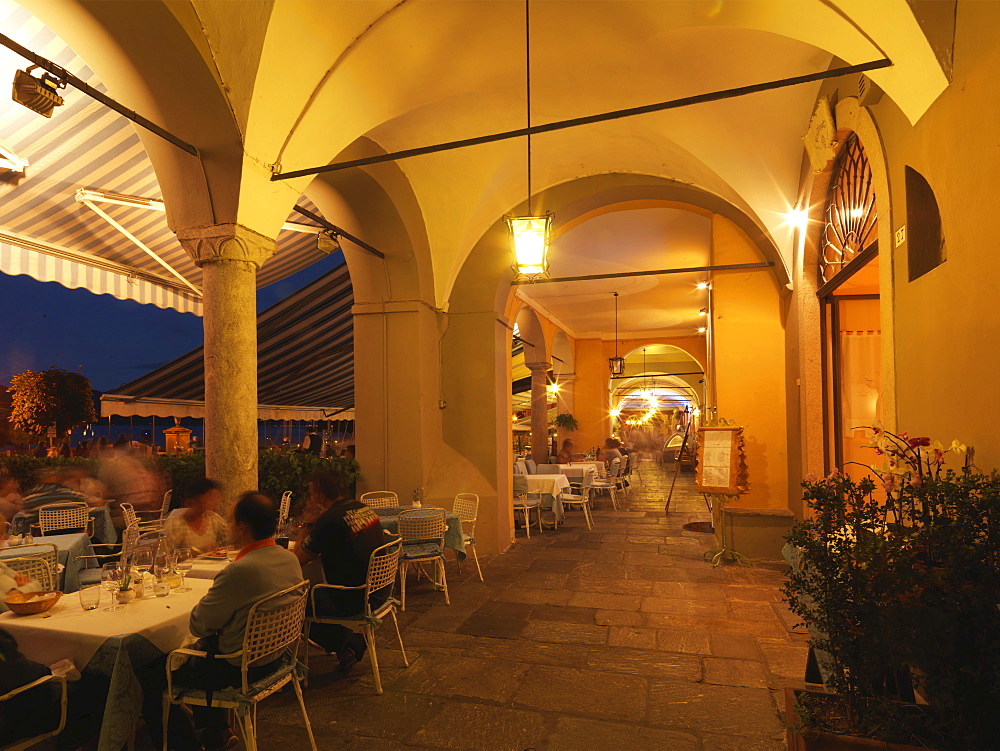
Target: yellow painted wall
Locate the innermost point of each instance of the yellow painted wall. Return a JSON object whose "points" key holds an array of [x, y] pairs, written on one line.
{"points": [[750, 363]]}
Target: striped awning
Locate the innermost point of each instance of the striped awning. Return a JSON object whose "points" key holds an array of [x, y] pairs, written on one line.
{"points": [[305, 363], [47, 234]]}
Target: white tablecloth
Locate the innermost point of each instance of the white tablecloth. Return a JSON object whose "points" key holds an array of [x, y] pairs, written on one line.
{"points": [[596, 467], [67, 631], [550, 486], [207, 568]]}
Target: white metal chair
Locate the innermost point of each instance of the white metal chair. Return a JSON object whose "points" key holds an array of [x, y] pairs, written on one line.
{"points": [[380, 499], [621, 481], [274, 625], [130, 540], [383, 565], [36, 568], [286, 503], [24, 743], [526, 501], [422, 532], [161, 519], [580, 498], [61, 517], [46, 551], [610, 483], [467, 507]]}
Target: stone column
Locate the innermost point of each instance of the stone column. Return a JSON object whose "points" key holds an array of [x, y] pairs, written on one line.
{"points": [[539, 411], [229, 256]]}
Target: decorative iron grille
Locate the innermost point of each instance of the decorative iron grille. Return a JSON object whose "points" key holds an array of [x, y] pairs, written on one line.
{"points": [[851, 214]]}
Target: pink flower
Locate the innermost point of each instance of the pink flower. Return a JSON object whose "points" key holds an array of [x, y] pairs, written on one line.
{"points": [[916, 481], [922, 441], [889, 483], [833, 475]]}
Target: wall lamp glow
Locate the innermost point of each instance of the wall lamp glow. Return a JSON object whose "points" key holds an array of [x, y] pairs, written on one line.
{"points": [[798, 218]]}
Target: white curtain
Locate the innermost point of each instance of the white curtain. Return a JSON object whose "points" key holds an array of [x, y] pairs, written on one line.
{"points": [[860, 378]]}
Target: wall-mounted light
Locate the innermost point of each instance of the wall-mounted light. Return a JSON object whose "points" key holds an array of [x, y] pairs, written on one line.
{"points": [[702, 329], [798, 218], [701, 285], [703, 312]]}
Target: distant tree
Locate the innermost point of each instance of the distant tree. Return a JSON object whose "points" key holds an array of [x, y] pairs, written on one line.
{"points": [[48, 398]]}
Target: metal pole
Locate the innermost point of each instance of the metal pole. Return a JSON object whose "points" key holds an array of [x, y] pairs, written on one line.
{"points": [[589, 119], [338, 231], [76, 83], [657, 272]]}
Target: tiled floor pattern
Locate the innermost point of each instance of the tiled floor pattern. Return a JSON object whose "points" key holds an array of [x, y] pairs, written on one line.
{"points": [[616, 638]]}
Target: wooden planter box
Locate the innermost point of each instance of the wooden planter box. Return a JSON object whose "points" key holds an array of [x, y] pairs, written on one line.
{"points": [[817, 740]]}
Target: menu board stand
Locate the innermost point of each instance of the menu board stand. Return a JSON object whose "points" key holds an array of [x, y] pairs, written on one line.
{"points": [[722, 474]]}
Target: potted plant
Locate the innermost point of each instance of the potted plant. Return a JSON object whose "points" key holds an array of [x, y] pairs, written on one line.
{"points": [[897, 576], [566, 421]]}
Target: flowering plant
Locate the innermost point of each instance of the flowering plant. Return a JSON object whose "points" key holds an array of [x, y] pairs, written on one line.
{"points": [[897, 576], [418, 496]]}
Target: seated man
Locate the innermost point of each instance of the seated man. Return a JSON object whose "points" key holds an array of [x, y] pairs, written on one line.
{"points": [[343, 537], [220, 619]]}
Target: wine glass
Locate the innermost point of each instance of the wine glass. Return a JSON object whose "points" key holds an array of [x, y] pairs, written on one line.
{"points": [[111, 579], [185, 562], [142, 560]]}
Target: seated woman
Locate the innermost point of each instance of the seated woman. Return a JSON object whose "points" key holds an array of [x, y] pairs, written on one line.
{"points": [[197, 525], [611, 450], [10, 496], [566, 453]]}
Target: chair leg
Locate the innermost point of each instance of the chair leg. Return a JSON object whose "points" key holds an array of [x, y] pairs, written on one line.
{"points": [[247, 730], [475, 557], [444, 580], [306, 660], [402, 585], [305, 715], [527, 522], [399, 637], [586, 515], [369, 635]]}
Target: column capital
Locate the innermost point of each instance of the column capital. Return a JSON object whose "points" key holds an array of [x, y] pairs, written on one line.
{"points": [[538, 367], [227, 242]]}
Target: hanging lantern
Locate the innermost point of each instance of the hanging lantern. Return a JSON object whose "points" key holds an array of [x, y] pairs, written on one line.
{"points": [[529, 239], [616, 365]]}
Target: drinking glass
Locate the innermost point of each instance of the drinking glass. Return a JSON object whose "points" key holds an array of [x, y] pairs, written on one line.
{"points": [[184, 563], [90, 597], [111, 579], [161, 585], [142, 560]]}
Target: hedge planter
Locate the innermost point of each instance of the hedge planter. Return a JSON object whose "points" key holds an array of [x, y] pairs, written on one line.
{"points": [[810, 739]]}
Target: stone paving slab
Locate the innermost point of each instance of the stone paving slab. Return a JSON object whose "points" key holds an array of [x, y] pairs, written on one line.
{"points": [[620, 637]]}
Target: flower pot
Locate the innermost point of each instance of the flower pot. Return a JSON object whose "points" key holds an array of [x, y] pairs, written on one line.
{"points": [[817, 740], [125, 596]]}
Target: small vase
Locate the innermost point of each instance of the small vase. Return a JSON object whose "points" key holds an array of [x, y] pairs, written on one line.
{"points": [[417, 503], [125, 596]]}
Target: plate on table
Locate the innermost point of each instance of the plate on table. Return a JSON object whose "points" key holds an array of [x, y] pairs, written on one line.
{"points": [[215, 555]]}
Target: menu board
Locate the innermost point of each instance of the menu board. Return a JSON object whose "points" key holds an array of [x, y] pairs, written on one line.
{"points": [[722, 467]]}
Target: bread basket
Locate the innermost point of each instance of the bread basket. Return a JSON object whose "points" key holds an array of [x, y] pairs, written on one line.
{"points": [[31, 603]]}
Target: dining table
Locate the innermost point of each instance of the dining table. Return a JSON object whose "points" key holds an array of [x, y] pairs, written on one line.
{"points": [[453, 530], [116, 645], [550, 487], [68, 549]]}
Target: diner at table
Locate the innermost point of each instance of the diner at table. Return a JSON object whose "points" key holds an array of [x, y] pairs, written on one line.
{"points": [[197, 525]]}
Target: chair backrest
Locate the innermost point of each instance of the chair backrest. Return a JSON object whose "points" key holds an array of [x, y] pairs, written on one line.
{"points": [[274, 623], [165, 506], [380, 499], [54, 517], [467, 507], [286, 502], [128, 513], [47, 551], [532, 467], [583, 487], [130, 539], [34, 567], [382, 567], [520, 468], [423, 525], [615, 468], [548, 469], [520, 484]]}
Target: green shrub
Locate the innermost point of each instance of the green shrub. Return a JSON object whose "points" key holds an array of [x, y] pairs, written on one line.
{"points": [[277, 472]]}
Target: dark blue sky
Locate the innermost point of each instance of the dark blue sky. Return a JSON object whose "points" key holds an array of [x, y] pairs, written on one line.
{"points": [[111, 341]]}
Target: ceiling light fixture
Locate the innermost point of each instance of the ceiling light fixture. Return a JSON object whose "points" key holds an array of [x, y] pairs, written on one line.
{"points": [[529, 235], [616, 364], [37, 94]]}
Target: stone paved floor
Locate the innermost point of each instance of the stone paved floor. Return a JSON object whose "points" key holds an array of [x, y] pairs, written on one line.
{"points": [[620, 637]]}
